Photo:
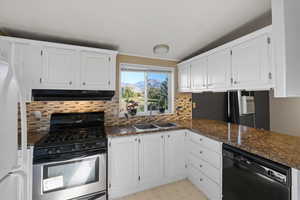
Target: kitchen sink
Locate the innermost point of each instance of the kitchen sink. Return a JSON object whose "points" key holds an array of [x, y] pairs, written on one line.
{"points": [[145, 127], [153, 127], [165, 125]]}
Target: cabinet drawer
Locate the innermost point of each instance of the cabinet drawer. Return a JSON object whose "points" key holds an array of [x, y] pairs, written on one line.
{"points": [[209, 156], [206, 142], [207, 169], [208, 187]]}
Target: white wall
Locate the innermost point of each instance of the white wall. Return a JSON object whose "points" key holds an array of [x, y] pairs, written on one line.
{"points": [[285, 115]]}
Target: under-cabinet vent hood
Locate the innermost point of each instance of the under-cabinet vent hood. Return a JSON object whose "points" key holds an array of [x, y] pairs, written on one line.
{"points": [[71, 95]]}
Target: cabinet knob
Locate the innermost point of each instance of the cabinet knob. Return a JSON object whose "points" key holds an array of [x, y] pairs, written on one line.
{"points": [[168, 136], [201, 152], [83, 83], [200, 166], [70, 83], [200, 139], [201, 179], [162, 137]]}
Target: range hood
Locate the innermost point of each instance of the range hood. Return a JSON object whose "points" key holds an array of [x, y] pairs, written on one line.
{"points": [[71, 95]]}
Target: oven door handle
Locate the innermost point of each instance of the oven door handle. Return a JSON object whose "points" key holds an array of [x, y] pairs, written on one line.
{"points": [[78, 157]]}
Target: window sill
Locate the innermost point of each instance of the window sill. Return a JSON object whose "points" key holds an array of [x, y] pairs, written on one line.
{"points": [[122, 115]]}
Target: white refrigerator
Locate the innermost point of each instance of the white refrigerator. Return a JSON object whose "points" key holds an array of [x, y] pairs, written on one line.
{"points": [[13, 177]]}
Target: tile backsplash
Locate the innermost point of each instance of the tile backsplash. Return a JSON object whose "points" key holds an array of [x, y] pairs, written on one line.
{"points": [[38, 113]]}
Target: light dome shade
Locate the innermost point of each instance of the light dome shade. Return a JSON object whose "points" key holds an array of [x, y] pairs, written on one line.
{"points": [[161, 49]]}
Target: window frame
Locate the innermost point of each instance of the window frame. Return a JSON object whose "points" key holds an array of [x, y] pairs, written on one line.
{"points": [[149, 68]]}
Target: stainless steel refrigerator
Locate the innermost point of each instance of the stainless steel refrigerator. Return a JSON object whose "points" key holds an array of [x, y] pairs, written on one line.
{"points": [[250, 108]]}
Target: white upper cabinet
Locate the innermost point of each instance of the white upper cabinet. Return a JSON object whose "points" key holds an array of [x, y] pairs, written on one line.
{"points": [[286, 43], [175, 155], [218, 70], [151, 156], [46, 65], [184, 78], [59, 68], [245, 63], [251, 64], [97, 71], [199, 74]]}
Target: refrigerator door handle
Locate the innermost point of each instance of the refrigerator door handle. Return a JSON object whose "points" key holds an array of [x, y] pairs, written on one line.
{"points": [[22, 110], [21, 174]]}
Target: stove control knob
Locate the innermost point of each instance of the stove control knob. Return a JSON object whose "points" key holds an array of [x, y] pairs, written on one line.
{"points": [[57, 151], [50, 152]]}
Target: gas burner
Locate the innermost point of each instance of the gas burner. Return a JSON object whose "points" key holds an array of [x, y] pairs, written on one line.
{"points": [[72, 132]]}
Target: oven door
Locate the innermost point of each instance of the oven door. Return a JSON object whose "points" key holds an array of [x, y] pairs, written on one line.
{"points": [[69, 179]]}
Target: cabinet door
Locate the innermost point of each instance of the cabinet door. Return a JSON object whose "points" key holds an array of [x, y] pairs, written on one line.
{"points": [[97, 71], [251, 64], [218, 70], [151, 159], [199, 74], [59, 68], [184, 77], [175, 155], [123, 165]]}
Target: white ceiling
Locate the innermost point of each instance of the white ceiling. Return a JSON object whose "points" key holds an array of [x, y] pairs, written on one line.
{"points": [[134, 26]]}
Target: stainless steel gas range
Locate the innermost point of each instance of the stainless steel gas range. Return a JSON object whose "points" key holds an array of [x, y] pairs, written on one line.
{"points": [[70, 162]]}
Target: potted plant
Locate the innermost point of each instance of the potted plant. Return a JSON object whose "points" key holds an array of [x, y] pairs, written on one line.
{"points": [[132, 107]]}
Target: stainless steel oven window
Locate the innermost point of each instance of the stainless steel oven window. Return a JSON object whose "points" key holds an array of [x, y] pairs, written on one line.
{"points": [[71, 174]]}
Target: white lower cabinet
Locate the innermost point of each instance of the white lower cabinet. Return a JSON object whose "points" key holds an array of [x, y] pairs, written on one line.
{"points": [[123, 165], [151, 159], [175, 155], [142, 162], [204, 157]]}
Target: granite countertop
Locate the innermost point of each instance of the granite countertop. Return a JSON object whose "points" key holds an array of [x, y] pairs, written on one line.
{"points": [[277, 147]]}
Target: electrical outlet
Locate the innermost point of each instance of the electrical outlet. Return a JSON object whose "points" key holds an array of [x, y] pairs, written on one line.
{"points": [[194, 105]]}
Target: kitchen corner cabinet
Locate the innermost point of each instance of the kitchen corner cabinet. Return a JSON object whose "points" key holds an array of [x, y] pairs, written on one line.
{"points": [[245, 63], [184, 77], [199, 74], [141, 162]]}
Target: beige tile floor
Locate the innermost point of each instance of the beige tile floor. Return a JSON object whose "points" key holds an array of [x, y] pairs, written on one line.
{"points": [[181, 190]]}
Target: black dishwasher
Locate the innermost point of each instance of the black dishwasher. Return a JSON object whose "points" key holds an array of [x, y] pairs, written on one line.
{"points": [[249, 177]]}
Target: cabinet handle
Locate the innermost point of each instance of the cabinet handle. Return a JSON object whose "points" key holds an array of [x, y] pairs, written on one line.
{"points": [[83, 83], [201, 152], [135, 139], [270, 75], [162, 137], [70, 83], [201, 179], [41, 80], [200, 166], [169, 136], [236, 82], [200, 139]]}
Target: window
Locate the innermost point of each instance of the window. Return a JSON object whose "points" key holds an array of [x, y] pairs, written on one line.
{"points": [[146, 89]]}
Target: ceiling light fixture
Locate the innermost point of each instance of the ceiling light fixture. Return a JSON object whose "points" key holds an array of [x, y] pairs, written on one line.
{"points": [[161, 49]]}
